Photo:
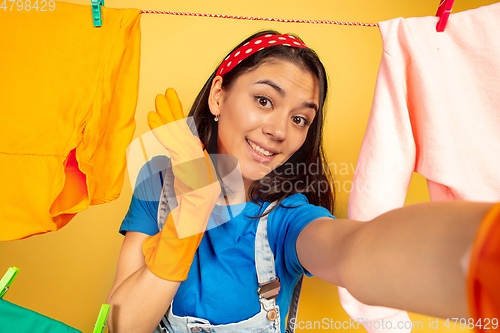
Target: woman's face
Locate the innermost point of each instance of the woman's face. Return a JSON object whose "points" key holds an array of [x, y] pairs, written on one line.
{"points": [[264, 118]]}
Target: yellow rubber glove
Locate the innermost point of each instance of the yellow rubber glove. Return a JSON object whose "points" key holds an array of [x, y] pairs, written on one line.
{"points": [[169, 253]]}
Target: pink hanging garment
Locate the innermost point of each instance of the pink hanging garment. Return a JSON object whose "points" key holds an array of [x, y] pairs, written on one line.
{"points": [[436, 111]]}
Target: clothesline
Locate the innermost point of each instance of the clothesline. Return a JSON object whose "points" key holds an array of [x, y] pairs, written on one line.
{"points": [[251, 18]]}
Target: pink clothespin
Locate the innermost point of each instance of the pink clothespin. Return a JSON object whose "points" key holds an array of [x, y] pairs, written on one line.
{"points": [[443, 13]]}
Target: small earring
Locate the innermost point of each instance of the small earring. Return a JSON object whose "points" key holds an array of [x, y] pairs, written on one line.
{"points": [[217, 117]]}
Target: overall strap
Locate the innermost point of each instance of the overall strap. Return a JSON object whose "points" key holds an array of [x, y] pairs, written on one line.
{"points": [[294, 307], [269, 284], [264, 258]]}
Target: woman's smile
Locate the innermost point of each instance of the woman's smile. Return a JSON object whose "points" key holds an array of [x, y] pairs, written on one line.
{"points": [[259, 153]]}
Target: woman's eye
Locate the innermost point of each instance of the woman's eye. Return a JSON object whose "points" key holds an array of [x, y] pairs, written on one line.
{"points": [[264, 102], [301, 121]]}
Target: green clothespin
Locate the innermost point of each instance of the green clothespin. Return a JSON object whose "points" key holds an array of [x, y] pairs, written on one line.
{"points": [[101, 320], [96, 12], [7, 279]]}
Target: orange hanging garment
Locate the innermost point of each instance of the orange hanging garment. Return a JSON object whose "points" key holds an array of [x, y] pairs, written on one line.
{"points": [[483, 283], [68, 93]]}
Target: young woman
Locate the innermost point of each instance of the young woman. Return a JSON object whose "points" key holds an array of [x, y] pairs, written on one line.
{"points": [[264, 106]]}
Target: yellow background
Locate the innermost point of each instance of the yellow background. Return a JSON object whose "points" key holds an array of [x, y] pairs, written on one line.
{"points": [[67, 274]]}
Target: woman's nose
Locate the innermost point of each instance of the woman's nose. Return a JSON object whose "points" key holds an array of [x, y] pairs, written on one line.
{"points": [[276, 126]]}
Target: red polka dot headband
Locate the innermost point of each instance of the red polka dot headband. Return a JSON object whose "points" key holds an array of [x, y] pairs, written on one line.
{"points": [[254, 46]]}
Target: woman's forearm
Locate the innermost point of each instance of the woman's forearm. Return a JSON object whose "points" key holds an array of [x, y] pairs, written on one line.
{"points": [[411, 258], [140, 302]]}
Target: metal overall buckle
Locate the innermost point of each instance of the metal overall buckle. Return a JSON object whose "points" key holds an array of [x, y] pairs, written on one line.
{"points": [[269, 291]]}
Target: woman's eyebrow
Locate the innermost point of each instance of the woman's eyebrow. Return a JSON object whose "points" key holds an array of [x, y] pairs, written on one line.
{"points": [[282, 93], [272, 84], [311, 105]]}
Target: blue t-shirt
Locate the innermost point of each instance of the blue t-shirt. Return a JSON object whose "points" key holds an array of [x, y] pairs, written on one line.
{"points": [[222, 282]]}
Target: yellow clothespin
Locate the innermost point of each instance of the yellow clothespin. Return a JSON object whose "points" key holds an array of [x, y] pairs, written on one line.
{"points": [[7, 279], [101, 320]]}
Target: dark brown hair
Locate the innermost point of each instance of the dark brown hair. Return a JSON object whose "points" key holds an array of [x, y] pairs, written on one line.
{"points": [[316, 186]]}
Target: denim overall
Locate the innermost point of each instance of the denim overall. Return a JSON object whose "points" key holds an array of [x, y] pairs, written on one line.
{"points": [[267, 320]]}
